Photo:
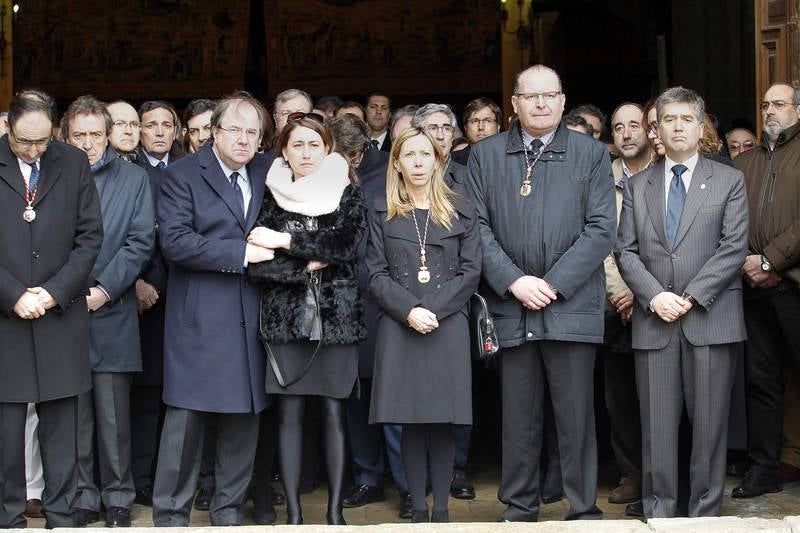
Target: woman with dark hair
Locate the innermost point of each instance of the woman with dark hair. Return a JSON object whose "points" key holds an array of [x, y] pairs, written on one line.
{"points": [[424, 260], [311, 311]]}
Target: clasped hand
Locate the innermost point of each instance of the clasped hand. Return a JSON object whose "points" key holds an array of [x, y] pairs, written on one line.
{"points": [[756, 277], [33, 303], [534, 293], [669, 306], [269, 238], [422, 320]]}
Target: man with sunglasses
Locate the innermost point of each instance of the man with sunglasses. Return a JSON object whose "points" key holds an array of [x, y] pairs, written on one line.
{"points": [[51, 231], [772, 274]]}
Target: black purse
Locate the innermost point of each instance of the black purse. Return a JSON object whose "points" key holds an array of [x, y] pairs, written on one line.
{"points": [[481, 324]]}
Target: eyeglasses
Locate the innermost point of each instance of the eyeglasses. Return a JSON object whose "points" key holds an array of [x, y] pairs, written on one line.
{"points": [[477, 122], [747, 145], [27, 143], [298, 115], [434, 129], [236, 132], [133, 124], [548, 97], [779, 105]]}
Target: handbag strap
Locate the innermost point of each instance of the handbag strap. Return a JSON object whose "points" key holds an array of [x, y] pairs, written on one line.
{"points": [[273, 361]]}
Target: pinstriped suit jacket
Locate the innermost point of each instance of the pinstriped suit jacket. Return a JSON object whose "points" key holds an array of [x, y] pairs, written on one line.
{"points": [[710, 249]]}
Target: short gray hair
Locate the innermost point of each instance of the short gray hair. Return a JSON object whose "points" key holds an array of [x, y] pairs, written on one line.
{"points": [[681, 95], [406, 111], [795, 90], [429, 109], [288, 94]]}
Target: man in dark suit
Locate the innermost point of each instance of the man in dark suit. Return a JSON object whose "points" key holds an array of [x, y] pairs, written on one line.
{"points": [[378, 113], [147, 409], [545, 202], [129, 237], [51, 232], [214, 364], [682, 242]]}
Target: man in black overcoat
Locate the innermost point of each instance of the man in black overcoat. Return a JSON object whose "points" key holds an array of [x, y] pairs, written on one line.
{"points": [[50, 234]]}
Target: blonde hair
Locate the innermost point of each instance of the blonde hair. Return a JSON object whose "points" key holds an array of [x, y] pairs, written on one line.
{"points": [[440, 195]]}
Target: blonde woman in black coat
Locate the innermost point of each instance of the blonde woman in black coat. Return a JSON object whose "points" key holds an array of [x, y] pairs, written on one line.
{"points": [[313, 216], [424, 260]]}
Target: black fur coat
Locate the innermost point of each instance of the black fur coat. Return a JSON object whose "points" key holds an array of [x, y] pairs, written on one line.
{"points": [[285, 281]]}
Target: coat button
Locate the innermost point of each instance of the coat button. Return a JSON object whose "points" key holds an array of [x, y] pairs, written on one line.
{"points": [[674, 256], [669, 286], [243, 323], [35, 254]]}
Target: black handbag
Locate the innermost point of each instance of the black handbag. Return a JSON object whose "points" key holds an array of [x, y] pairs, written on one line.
{"points": [[481, 324]]}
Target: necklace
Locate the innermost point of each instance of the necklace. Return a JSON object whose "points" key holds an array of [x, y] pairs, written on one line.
{"points": [[423, 276], [526, 187]]}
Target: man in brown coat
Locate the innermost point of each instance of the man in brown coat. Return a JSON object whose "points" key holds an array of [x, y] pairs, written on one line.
{"points": [[772, 300]]}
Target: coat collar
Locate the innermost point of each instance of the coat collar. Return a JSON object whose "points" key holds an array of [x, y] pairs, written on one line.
{"points": [[50, 169], [695, 198], [555, 151]]}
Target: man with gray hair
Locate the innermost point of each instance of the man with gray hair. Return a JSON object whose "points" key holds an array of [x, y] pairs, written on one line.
{"points": [[126, 204], [772, 272], [682, 241], [401, 120], [288, 102]]}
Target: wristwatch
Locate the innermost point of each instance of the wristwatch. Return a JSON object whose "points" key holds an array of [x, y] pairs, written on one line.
{"points": [[766, 266], [689, 298]]}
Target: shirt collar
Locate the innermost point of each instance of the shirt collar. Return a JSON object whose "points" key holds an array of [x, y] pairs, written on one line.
{"points": [[228, 170], [546, 139], [380, 138], [689, 164], [155, 161]]}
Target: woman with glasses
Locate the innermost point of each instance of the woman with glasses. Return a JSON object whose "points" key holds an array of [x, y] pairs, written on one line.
{"points": [[424, 259], [313, 216]]}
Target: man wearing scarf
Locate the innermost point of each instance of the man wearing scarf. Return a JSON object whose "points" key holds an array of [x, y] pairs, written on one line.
{"points": [[126, 204]]}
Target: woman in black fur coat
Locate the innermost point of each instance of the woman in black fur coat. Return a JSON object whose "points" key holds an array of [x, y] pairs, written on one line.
{"points": [[313, 216]]}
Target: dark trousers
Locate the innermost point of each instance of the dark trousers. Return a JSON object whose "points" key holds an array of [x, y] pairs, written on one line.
{"points": [[773, 330], [147, 419], [367, 443], [58, 421], [622, 400], [179, 466], [568, 369], [105, 410]]}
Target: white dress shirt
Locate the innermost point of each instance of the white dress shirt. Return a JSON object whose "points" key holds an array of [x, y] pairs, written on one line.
{"points": [[381, 139], [26, 169], [154, 161]]}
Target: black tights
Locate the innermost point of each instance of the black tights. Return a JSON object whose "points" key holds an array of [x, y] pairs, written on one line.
{"points": [[290, 444], [418, 443]]}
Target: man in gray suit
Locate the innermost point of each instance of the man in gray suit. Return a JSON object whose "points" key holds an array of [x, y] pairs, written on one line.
{"points": [[682, 242]]}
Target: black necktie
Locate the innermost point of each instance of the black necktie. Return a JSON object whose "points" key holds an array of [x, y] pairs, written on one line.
{"points": [[234, 177], [375, 145], [536, 146], [161, 165], [675, 201]]}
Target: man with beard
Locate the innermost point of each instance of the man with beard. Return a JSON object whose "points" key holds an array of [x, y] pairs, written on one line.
{"points": [[630, 140], [772, 300]]}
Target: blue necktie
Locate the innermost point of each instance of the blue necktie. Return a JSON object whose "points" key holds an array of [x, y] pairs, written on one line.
{"points": [[33, 181], [675, 201], [161, 165], [234, 177]]}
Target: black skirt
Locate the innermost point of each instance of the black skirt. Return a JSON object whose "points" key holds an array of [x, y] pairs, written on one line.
{"points": [[333, 374]]}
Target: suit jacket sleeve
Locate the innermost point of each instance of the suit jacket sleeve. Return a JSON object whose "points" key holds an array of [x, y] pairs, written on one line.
{"points": [[644, 286], [499, 270], [573, 269], [180, 243], [127, 263], [393, 298], [454, 294], [336, 243], [725, 265], [70, 281]]}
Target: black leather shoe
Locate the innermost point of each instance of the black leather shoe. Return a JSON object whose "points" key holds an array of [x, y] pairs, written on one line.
{"points": [[460, 487], [118, 517], [335, 518], [84, 517], [406, 505], [144, 496], [419, 516], [441, 517], [635, 509], [552, 498], [756, 482], [264, 517], [202, 502], [362, 495], [294, 520]]}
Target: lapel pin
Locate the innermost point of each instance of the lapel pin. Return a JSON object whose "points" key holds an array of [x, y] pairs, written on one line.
{"points": [[703, 186]]}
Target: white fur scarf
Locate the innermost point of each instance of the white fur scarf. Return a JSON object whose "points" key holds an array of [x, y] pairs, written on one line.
{"points": [[313, 195]]}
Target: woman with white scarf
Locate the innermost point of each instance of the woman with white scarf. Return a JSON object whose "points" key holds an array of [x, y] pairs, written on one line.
{"points": [[313, 216]]}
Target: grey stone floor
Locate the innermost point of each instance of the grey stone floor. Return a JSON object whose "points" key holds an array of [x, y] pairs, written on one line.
{"points": [[486, 508]]}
